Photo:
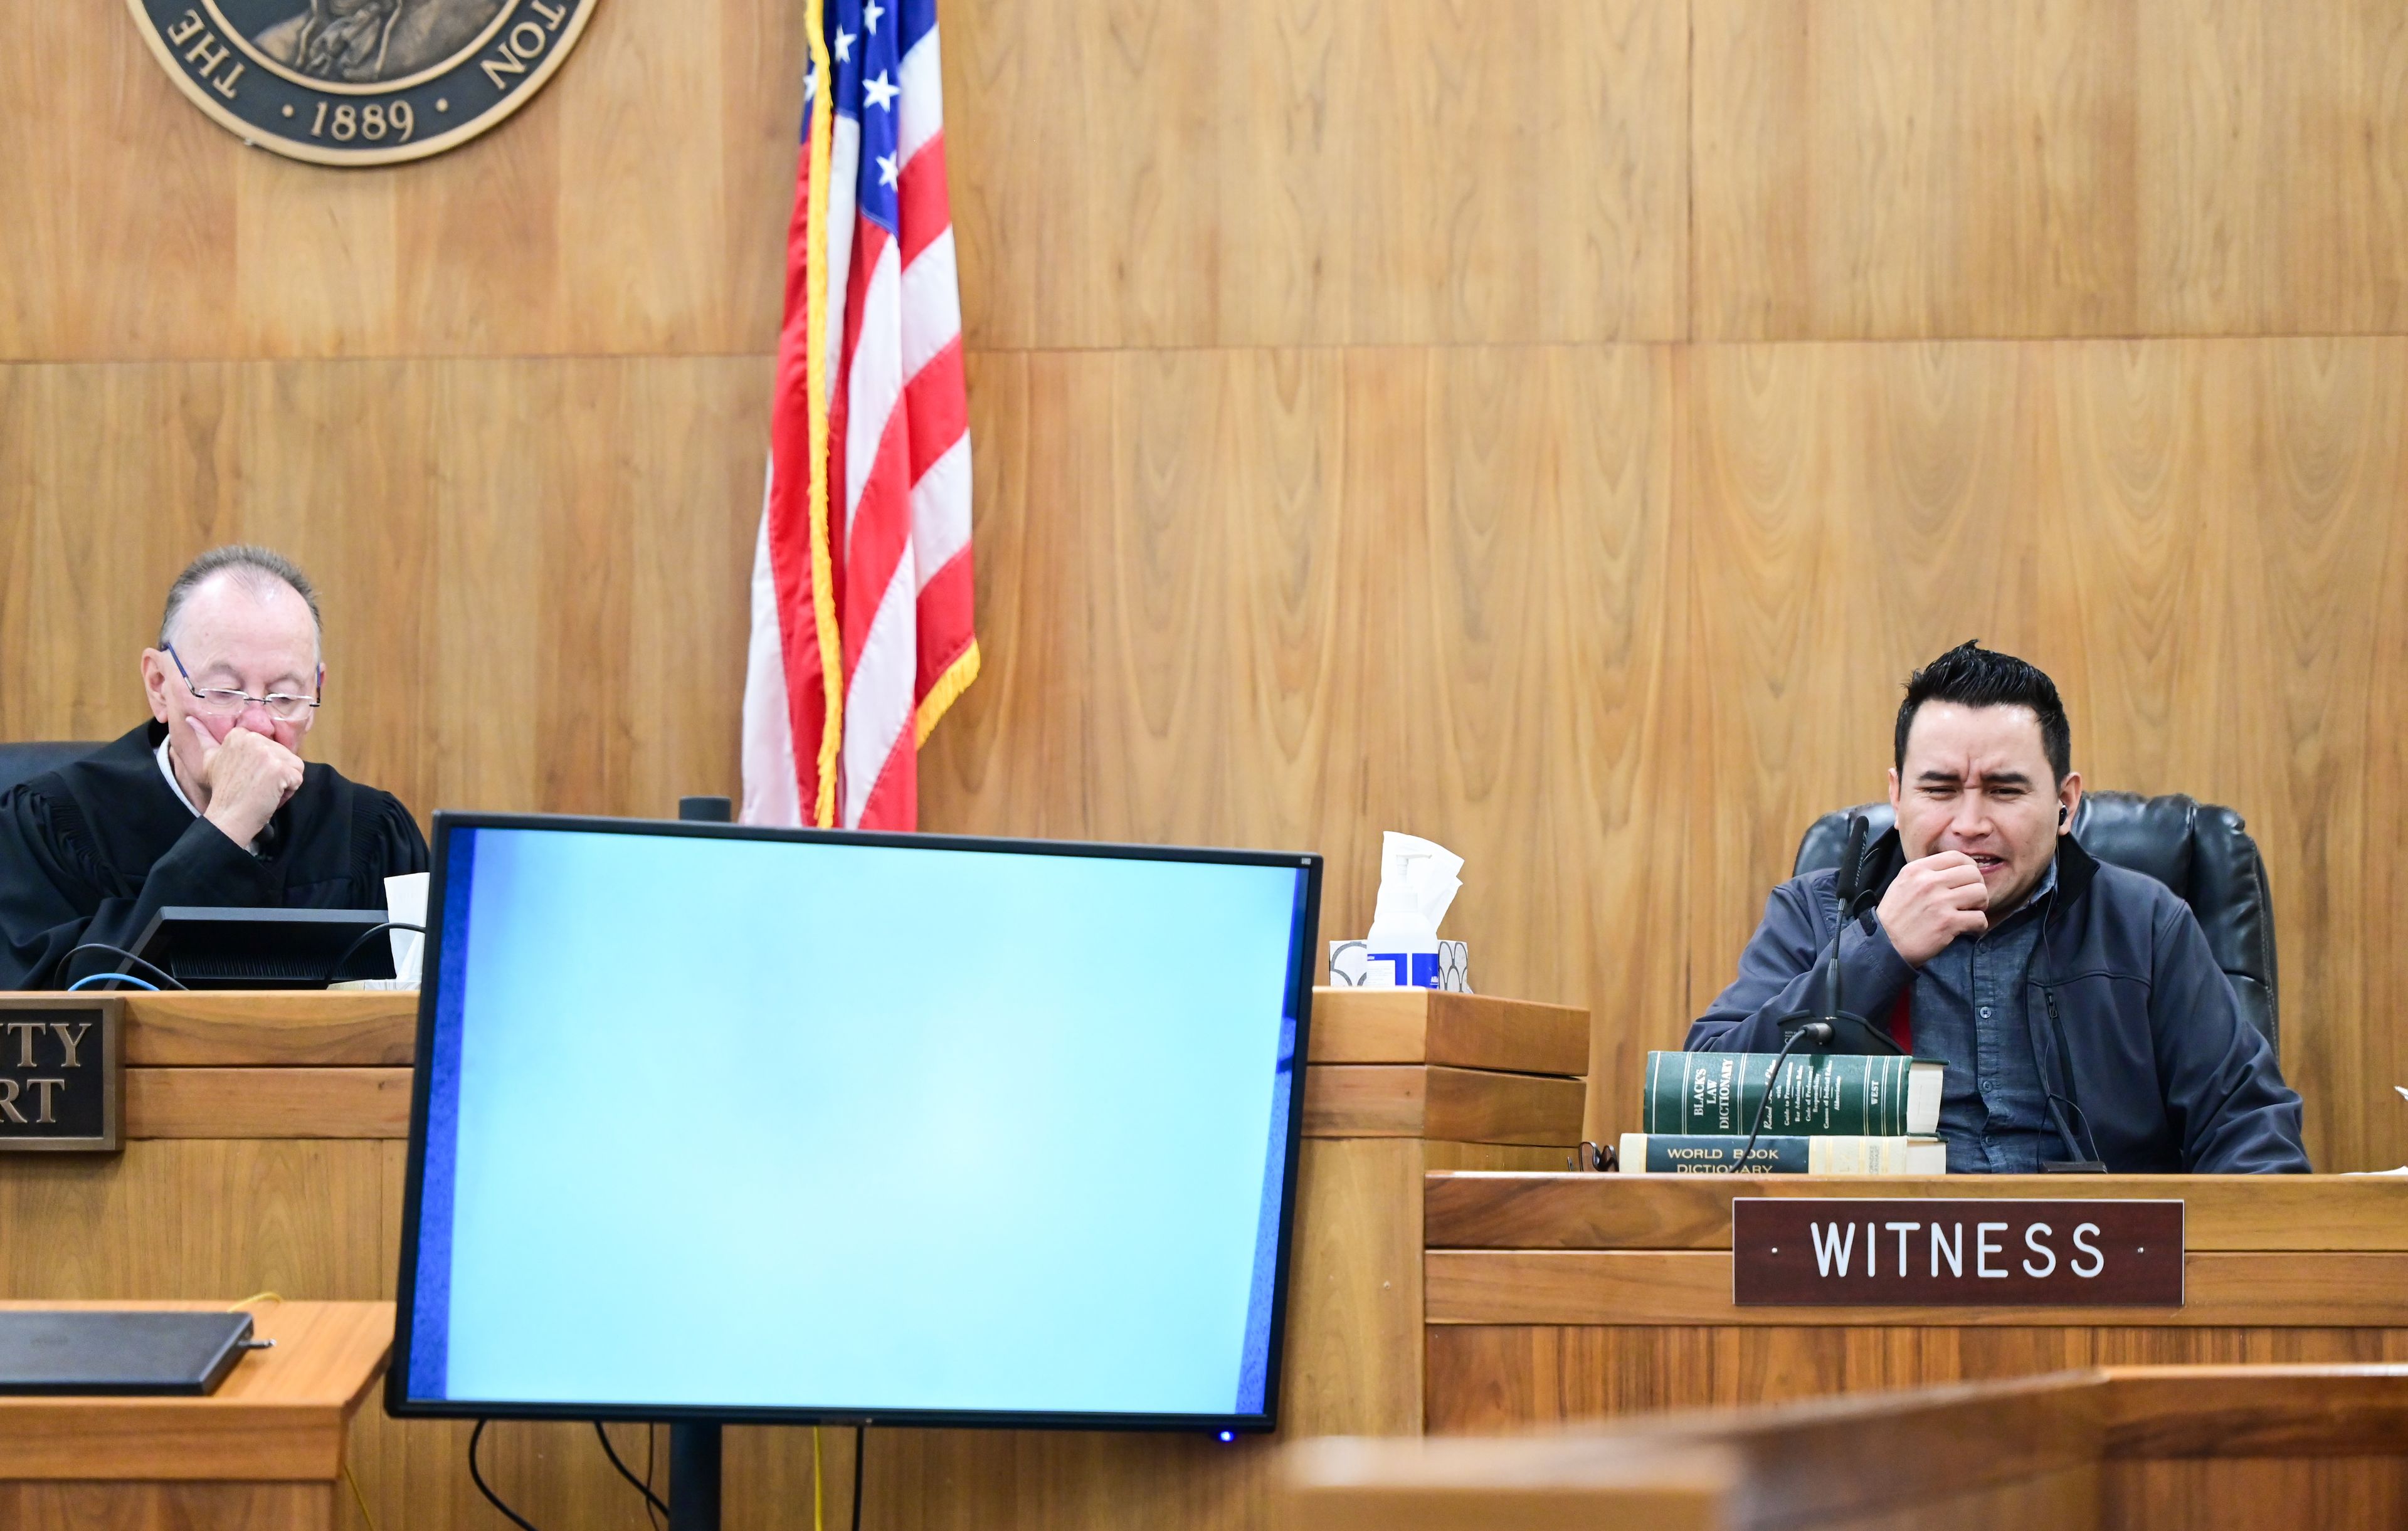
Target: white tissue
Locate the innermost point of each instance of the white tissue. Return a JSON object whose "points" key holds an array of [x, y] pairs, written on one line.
{"points": [[1418, 882], [405, 899]]}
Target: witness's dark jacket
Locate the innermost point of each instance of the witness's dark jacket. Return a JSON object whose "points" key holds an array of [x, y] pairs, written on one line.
{"points": [[2166, 1073]]}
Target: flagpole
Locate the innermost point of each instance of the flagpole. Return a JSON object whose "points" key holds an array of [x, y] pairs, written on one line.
{"points": [[815, 355]]}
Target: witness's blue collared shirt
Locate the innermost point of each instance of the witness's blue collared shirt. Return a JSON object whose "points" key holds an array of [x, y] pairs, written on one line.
{"points": [[1971, 1012]]}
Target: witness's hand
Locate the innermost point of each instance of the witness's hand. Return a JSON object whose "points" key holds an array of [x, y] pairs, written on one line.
{"points": [[1931, 903], [248, 776]]}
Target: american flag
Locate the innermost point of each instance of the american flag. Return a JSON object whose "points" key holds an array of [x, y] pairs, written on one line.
{"points": [[861, 579]]}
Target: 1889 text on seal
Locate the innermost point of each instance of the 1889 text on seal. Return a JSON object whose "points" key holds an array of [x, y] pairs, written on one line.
{"points": [[360, 81]]}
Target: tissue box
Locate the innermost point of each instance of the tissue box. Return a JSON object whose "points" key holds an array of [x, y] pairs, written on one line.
{"points": [[1352, 966]]}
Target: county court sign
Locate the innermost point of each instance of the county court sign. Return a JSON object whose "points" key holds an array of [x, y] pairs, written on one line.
{"points": [[360, 81]]}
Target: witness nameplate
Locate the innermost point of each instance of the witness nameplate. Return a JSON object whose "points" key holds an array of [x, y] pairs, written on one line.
{"points": [[62, 1073], [1794, 1251]]}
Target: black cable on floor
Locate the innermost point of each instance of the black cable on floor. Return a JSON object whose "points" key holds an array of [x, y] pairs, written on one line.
{"points": [[654, 1504], [477, 1478]]}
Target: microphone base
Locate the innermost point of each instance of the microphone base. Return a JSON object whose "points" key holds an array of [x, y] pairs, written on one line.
{"points": [[1850, 1033]]}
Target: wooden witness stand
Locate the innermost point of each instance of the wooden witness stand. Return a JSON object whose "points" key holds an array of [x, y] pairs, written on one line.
{"points": [[265, 1452], [266, 1150], [2112, 1448], [1568, 1296]]}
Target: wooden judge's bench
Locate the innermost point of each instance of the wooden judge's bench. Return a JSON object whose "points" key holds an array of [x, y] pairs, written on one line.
{"points": [[266, 1150], [1446, 1276]]}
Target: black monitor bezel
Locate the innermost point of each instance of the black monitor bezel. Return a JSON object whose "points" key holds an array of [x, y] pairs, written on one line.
{"points": [[1301, 969]]}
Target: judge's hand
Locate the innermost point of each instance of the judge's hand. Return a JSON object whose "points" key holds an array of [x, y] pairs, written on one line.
{"points": [[248, 776], [1931, 903]]}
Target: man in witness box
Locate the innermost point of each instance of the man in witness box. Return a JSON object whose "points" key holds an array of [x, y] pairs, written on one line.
{"points": [[2075, 1004]]}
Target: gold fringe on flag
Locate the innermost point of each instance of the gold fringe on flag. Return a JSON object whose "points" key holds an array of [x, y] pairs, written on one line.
{"points": [[955, 680], [815, 353]]}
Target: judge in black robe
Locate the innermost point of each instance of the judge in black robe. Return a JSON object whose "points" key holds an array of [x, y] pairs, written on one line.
{"points": [[93, 851]]}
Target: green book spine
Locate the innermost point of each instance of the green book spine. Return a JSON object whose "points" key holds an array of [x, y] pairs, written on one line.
{"points": [[1853, 1094]]}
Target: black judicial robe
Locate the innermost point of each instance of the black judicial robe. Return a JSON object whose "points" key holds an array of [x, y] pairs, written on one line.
{"points": [[92, 851]]}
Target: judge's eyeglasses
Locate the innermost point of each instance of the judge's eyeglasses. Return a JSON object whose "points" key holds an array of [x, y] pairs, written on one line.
{"points": [[275, 704]]}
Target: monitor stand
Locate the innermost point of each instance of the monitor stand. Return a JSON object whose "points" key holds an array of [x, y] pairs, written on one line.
{"points": [[693, 1475]]}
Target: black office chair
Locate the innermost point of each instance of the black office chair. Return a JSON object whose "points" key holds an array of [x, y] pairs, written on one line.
{"points": [[2201, 852], [26, 760]]}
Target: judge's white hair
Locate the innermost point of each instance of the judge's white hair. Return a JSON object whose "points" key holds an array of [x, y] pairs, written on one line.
{"points": [[259, 570]]}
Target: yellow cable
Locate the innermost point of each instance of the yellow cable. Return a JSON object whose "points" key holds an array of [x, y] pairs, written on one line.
{"points": [[819, 1500], [359, 1498]]}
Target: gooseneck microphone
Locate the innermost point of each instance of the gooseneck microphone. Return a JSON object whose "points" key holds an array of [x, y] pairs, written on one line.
{"points": [[1851, 888], [1806, 1028], [1841, 1029]]}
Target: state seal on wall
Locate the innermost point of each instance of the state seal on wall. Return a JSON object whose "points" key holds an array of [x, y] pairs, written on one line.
{"points": [[360, 81]]}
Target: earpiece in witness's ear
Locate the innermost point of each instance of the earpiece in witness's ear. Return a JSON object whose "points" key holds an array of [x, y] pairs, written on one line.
{"points": [[2063, 813]]}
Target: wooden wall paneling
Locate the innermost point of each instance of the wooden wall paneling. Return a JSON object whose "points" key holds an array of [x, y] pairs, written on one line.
{"points": [[1166, 568], [599, 220], [121, 212], [315, 258], [102, 529], [1318, 596], [1470, 222], [2222, 539], [328, 464], [2194, 537], [2270, 140], [650, 264], [526, 564], [1351, 174], [487, 633], [2134, 476], [582, 582], [478, 258], [1546, 606], [1853, 513], [1226, 620], [1353, 669], [692, 496], [1869, 168], [152, 1222], [2322, 568], [1039, 433]]}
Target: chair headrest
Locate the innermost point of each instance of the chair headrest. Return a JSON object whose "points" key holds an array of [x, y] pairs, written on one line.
{"points": [[2201, 850], [26, 760]]}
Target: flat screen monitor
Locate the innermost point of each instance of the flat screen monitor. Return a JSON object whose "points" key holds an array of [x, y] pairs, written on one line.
{"points": [[735, 1123]]}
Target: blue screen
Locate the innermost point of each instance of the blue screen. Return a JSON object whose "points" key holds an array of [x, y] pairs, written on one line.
{"points": [[823, 1126]]}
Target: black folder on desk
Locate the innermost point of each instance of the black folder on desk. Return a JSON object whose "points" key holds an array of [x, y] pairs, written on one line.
{"points": [[89, 1352]]}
